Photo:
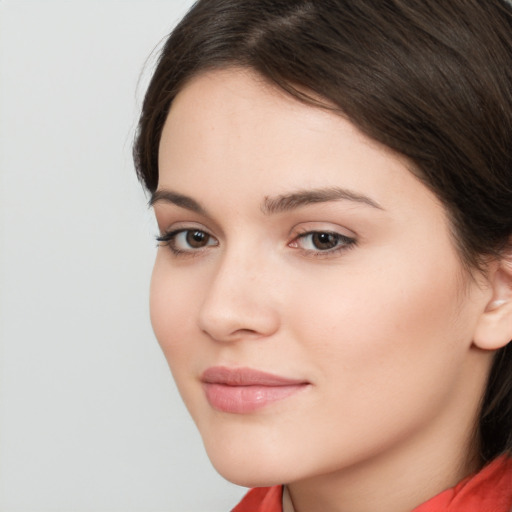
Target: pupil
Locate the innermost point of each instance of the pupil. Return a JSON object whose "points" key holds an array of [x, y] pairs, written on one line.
{"points": [[196, 238], [324, 240]]}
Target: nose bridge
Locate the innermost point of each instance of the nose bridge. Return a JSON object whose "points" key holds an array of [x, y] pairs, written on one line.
{"points": [[238, 302]]}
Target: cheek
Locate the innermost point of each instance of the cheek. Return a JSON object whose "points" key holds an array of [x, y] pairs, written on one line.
{"points": [[173, 304], [385, 332], [175, 298], [383, 348]]}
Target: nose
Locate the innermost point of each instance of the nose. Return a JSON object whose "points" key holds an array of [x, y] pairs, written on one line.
{"points": [[240, 300]]}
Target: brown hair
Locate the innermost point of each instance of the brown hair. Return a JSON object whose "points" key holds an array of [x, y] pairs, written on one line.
{"points": [[430, 79]]}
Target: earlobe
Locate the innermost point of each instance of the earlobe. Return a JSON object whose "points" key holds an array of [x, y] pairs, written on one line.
{"points": [[494, 328]]}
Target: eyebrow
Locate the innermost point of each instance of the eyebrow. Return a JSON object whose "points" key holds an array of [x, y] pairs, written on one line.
{"points": [[273, 205], [294, 200], [168, 196]]}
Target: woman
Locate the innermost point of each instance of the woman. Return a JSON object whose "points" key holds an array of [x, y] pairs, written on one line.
{"points": [[333, 286]]}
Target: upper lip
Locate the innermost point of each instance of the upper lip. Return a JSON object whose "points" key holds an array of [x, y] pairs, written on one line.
{"points": [[246, 377]]}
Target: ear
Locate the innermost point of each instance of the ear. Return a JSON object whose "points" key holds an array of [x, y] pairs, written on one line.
{"points": [[494, 327]]}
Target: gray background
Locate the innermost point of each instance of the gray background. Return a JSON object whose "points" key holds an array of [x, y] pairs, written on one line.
{"points": [[89, 416]]}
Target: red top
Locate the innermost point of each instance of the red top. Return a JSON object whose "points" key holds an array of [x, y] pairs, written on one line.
{"points": [[490, 490]]}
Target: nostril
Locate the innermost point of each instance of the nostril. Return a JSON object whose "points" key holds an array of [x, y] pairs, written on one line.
{"points": [[226, 336]]}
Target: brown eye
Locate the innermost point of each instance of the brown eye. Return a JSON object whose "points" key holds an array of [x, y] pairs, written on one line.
{"points": [[183, 241], [197, 239], [324, 241]]}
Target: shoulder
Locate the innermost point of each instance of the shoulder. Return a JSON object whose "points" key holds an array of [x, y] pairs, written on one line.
{"points": [[261, 499]]}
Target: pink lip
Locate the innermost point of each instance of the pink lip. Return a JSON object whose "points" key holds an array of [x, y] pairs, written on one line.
{"points": [[244, 390]]}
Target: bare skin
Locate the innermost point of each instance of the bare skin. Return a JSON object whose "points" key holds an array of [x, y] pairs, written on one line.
{"points": [[295, 245]]}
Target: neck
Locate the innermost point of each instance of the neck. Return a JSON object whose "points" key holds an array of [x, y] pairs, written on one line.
{"points": [[388, 486]]}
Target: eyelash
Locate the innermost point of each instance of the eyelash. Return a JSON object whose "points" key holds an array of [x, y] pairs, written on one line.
{"points": [[169, 239], [343, 242]]}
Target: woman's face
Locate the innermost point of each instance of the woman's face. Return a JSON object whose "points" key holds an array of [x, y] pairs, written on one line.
{"points": [[295, 246]]}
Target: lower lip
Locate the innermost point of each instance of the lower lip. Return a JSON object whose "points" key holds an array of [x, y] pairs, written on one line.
{"points": [[246, 399]]}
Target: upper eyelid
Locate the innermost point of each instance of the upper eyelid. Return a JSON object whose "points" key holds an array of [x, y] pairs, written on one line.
{"points": [[167, 223], [350, 240], [301, 230], [326, 231], [176, 231], [322, 227], [182, 226]]}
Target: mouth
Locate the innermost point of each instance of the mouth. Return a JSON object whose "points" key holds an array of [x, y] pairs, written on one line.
{"points": [[244, 390]]}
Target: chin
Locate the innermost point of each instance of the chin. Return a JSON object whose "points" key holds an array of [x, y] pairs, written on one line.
{"points": [[248, 474], [249, 464]]}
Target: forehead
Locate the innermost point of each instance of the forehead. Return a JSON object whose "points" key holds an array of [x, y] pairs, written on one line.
{"points": [[244, 105], [230, 132]]}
